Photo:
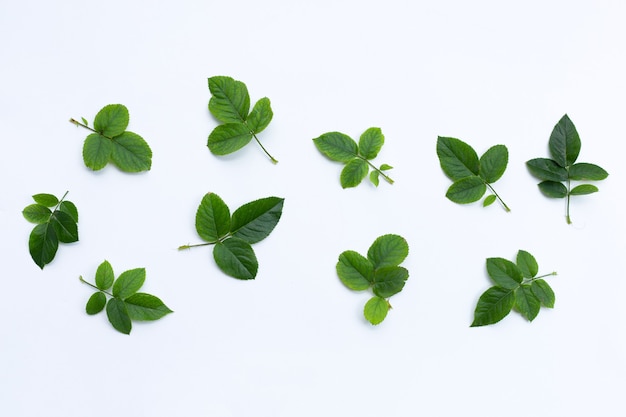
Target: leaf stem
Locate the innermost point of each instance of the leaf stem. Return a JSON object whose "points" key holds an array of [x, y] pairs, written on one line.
{"points": [[77, 123], [546, 275], [568, 219], [506, 208], [274, 161], [385, 176], [93, 286], [183, 247]]}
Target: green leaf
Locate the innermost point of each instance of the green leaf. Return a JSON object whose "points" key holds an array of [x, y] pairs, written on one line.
{"points": [[47, 200], [584, 189], [493, 163], [104, 276], [36, 213], [97, 151], [385, 167], [260, 116], [489, 200], [353, 173], [337, 146], [96, 303], [553, 189], [371, 142], [64, 226], [527, 264], [112, 120], [587, 172], [228, 138], [389, 280], [526, 302], [355, 271], [543, 292], [230, 101], [546, 169], [144, 307], [69, 208], [376, 310], [254, 221], [85, 122], [43, 244], [504, 273], [493, 305], [131, 153], [129, 283], [388, 250], [118, 315], [236, 258], [212, 218], [564, 142], [466, 190], [457, 158], [374, 178]]}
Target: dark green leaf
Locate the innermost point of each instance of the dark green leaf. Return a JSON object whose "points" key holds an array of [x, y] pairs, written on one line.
{"points": [[96, 303], [230, 101], [143, 307], [526, 302], [388, 250], [69, 208], [564, 142], [371, 142], [389, 280], [36, 213], [546, 169], [254, 221], [260, 116], [353, 173], [43, 244], [589, 172], [466, 190], [527, 264], [236, 258], [584, 189], [457, 158], [489, 200], [97, 151], [543, 292], [374, 178], [337, 146], [47, 200], [212, 218], [493, 305], [131, 153], [129, 283], [493, 163], [118, 315], [553, 189], [504, 273], [112, 120], [228, 138], [355, 271], [376, 310], [385, 167], [64, 226], [104, 276]]}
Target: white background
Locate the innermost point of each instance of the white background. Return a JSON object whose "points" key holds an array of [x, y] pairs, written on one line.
{"points": [[294, 341]]}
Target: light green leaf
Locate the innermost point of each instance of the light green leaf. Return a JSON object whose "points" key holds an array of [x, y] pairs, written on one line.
{"points": [[43, 244], [129, 283], [376, 310], [553, 189], [85, 122], [47, 200], [236, 258], [112, 120], [489, 200], [230, 101], [466, 190], [96, 303], [228, 138], [64, 226], [260, 116], [353, 173], [564, 142], [504, 273], [104, 276], [118, 315], [374, 178], [388, 250], [131, 153], [543, 292], [493, 163], [546, 169], [36, 213], [385, 167], [69, 208], [493, 305], [526, 302], [254, 221], [371, 142], [389, 280], [457, 158], [527, 264], [355, 271], [97, 151], [337, 146], [141, 306], [212, 218], [584, 189], [587, 172]]}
